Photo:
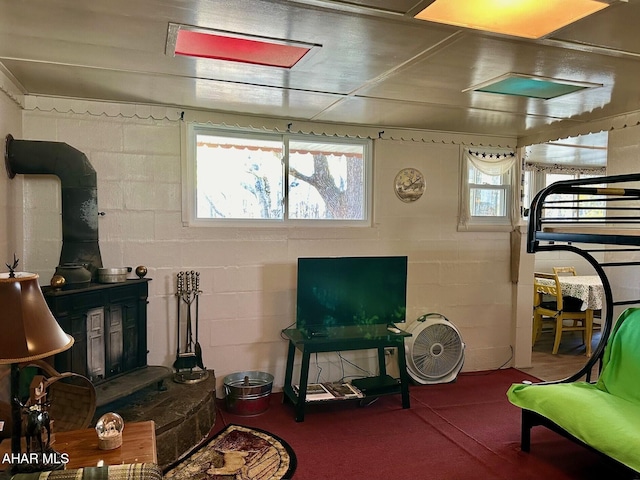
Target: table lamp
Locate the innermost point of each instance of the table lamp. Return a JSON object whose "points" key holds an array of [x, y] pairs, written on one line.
{"points": [[29, 332]]}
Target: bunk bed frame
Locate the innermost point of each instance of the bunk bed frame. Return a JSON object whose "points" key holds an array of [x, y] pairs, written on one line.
{"points": [[555, 226], [618, 231]]}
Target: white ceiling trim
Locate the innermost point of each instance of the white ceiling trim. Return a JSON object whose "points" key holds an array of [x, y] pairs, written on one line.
{"points": [[556, 168], [606, 124], [280, 125], [257, 123], [453, 138], [10, 89], [95, 108]]}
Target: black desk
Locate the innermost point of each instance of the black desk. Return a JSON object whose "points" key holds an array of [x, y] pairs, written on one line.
{"points": [[342, 339]]}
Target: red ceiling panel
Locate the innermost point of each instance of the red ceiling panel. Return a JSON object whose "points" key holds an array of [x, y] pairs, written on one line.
{"points": [[206, 45]]}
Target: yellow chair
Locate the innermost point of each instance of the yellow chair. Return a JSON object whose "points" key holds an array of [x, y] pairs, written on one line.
{"points": [[569, 271], [541, 295], [572, 271], [552, 309], [562, 270]]}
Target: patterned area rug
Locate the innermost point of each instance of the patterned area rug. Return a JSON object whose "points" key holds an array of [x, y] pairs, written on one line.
{"points": [[236, 452]]}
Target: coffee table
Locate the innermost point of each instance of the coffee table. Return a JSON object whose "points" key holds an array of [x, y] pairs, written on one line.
{"points": [[138, 446]]}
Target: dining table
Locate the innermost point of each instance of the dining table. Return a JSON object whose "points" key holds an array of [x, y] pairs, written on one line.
{"points": [[587, 288]]}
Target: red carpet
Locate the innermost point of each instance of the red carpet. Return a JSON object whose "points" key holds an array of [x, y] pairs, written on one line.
{"points": [[462, 430]]}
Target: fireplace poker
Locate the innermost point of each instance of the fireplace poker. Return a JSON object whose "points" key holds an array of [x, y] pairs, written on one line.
{"points": [[198, 348], [187, 359], [188, 300]]}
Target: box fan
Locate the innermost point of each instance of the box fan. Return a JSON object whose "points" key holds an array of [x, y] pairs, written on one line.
{"points": [[435, 351]]}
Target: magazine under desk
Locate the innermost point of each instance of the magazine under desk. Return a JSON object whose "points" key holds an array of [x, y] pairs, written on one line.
{"points": [[339, 339]]}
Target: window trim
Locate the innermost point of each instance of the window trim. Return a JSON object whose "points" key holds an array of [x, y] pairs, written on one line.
{"points": [[189, 195]]}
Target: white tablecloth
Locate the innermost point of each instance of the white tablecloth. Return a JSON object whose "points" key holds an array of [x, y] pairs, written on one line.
{"points": [[587, 288]]}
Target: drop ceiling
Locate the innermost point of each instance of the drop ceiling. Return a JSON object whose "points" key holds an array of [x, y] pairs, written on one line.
{"points": [[373, 64]]}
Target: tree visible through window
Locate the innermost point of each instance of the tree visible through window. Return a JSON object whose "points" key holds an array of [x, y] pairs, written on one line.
{"points": [[327, 181], [246, 176]]}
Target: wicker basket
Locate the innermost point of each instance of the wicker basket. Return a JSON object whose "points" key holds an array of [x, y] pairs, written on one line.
{"points": [[110, 443], [72, 397]]}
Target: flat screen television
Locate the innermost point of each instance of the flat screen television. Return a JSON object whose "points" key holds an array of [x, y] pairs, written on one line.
{"points": [[343, 291]]}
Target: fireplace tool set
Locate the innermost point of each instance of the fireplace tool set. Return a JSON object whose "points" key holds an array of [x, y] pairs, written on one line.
{"points": [[188, 366]]}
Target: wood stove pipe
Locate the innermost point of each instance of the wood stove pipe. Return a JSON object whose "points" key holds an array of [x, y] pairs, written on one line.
{"points": [[78, 190]]}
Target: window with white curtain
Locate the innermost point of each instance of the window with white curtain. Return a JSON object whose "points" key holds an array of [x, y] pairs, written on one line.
{"points": [[488, 189]]}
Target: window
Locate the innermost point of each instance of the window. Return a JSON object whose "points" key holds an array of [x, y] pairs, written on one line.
{"points": [[561, 200], [588, 206], [251, 177], [487, 189], [566, 206], [488, 194]]}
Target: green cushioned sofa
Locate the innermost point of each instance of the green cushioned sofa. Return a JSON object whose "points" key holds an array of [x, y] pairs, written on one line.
{"points": [[604, 415]]}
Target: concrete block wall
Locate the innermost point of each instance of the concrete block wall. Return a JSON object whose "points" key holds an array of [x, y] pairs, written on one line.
{"points": [[623, 158], [10, 123], [248, 275], [545, 261]]}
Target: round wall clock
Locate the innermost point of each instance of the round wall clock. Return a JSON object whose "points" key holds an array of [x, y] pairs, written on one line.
{"points": [[409, 184]]}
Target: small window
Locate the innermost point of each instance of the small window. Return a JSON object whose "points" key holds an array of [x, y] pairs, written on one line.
{"points": [[250, 177], [488, 194], [487, 190]]}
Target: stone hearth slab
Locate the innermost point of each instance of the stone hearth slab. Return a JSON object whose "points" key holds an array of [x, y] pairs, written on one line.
{"points": [[129, 383], [183, 414]]}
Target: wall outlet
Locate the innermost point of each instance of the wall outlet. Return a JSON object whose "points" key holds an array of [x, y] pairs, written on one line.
{"points": [[390, 351]]}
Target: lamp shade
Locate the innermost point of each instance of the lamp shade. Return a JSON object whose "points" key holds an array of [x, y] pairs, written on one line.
{"points": [[29, 329]]}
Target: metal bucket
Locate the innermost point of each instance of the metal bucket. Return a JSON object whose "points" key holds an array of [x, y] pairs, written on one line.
{"points": [[248, 393]]}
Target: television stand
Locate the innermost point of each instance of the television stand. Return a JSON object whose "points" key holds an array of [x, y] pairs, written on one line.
{"points": [[337, 339]]}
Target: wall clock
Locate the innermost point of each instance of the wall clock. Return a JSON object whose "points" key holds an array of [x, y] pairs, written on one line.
{"points": [[409, 184]]}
